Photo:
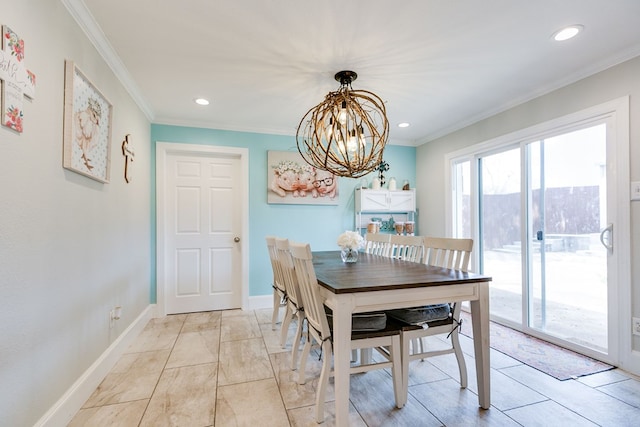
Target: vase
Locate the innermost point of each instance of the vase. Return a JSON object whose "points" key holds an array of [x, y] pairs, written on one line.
{"points": [[349, 255]]}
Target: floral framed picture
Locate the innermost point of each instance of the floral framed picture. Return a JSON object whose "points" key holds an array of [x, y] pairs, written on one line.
{"points": [[290, 180], [87, 126]]}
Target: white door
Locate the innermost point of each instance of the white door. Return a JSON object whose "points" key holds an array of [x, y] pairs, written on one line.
{"points": [[200, 229]]}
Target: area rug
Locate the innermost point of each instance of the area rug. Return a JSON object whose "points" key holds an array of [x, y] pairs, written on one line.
{"points": [[556, 361]]}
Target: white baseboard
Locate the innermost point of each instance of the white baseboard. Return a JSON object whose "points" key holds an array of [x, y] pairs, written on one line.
{"points": [[632, 364], [61, 413], [260, 302]]}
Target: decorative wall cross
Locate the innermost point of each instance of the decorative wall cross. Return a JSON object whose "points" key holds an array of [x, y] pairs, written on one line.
{"points": [[128, 154], [17, 80]]}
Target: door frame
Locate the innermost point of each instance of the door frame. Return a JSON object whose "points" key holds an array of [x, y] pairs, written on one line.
{"points": [[163, 151], [617, 111]]}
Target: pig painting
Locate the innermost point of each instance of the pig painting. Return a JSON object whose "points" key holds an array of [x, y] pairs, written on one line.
{"points": [[283, 181], [306, 178], [290, 180], [293, 178], [326, 184]]}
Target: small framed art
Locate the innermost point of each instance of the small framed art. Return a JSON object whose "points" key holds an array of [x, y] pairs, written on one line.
{"points": [[87, 126]]}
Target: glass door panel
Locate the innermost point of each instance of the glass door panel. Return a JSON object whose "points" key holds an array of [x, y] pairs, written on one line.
{"points": [[500, 232], [567, 273]]}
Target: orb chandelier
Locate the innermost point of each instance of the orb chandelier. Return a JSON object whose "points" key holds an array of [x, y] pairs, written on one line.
{"points": [[346, 133]]}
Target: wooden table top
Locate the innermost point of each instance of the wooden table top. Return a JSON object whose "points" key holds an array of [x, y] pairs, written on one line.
{"points": [[378, 273]]}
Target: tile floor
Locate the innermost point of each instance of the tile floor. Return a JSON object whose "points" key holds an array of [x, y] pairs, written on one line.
{"points": [[227, 369]]}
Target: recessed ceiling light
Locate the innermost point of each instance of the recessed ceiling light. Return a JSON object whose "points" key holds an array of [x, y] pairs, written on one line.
{"points": [[201, 101], [567, 33], [403, 125]]}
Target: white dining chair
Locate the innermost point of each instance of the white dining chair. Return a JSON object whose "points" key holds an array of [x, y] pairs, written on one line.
{"points": [[377, 244], [386, 341], [436, 319], [408, 248], [279, 291], [294, 306]]}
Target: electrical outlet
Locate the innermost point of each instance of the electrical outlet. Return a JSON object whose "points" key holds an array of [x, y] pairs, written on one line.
{"points": [[114, 314], [636, 326]]}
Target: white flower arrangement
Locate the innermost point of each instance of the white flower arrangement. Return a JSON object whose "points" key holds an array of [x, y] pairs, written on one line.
{"points": [[351, 240]]}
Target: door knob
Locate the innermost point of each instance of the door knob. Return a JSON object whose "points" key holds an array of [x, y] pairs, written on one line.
{"points": [[236, 239]]}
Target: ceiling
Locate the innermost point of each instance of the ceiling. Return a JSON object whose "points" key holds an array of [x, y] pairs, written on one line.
{"points": [[439, 65]]}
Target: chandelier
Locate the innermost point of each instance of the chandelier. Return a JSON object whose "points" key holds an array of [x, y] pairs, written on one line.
{"points": [[346, 133]]}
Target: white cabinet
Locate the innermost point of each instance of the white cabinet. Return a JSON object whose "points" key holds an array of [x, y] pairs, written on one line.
{"points": [[384, 206], [385, 200]]}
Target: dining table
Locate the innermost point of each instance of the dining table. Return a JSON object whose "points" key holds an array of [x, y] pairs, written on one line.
{"points": [[375, 283]]}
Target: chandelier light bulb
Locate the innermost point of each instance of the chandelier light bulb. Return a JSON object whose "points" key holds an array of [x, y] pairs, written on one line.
{"points": [[352, 142], [342, 115]]}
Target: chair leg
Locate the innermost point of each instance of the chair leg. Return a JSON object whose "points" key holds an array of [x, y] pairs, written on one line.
{"points": [[405, 342], [303, 361], [296, 342], [276, 309], [419, 345], [455, 341], [323, 381], [396, 370], [286, 321]]}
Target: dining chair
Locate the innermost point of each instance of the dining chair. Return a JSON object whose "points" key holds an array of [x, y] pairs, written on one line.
{"points": [[408, 248], [386, 340], [436, 319], [377, 244], [279, 291], [294, 307]]}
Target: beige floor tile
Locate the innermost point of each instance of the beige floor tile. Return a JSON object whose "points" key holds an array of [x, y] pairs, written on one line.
{"points": [[306, 417], [158, 334], [272, 339], [199, 346], [237, 312], [134, 377], [293, 394], [239, 327], [251, 404], [244, 360], [264, 315], [117, 415], [184, 397], [211, 318]]}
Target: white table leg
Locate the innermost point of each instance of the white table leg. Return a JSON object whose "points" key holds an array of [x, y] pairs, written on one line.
{"points": [[341, 357], [480, 320]]}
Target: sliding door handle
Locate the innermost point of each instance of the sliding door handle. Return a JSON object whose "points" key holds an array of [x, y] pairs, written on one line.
{"points": [[608, 230]]}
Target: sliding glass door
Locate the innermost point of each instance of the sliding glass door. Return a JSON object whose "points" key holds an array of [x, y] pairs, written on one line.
{"points": [[538, 209]]}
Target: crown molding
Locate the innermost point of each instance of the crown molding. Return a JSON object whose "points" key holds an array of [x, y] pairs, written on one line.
{"points": [[88, 24]]}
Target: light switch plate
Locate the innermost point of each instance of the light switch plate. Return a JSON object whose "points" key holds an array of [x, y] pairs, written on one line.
{"points": [[635, 326], [635, 190]]}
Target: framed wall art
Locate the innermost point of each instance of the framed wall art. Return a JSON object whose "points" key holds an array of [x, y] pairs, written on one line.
{"points": [[87, 126], [290, 180]]}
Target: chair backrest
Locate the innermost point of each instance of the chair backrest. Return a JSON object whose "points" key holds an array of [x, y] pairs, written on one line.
{"points": [[377, 244], [448, 252], [278, 281], [408, 248], [309, 288], [288, 274]]}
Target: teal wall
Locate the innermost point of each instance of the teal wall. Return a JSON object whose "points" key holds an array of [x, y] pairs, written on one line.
{"points": [[318, 225]]}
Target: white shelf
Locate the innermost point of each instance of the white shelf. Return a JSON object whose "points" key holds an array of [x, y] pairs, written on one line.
{"points": [[386, 206]]}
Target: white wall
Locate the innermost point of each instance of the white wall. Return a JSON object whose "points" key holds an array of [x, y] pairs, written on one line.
{"points": [[71, 248], [605, 86]]}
